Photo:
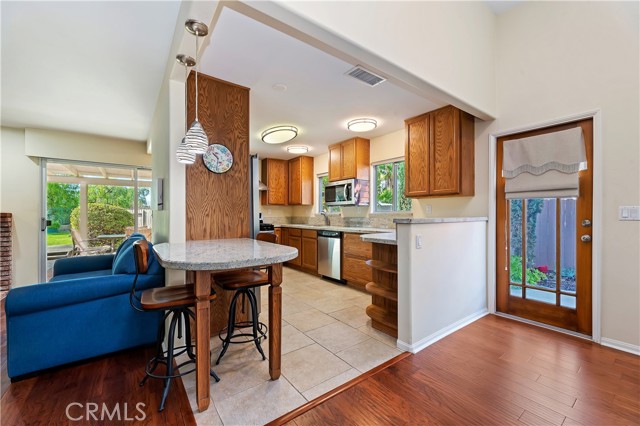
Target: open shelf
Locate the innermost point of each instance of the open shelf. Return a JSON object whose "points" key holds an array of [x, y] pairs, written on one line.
{"points": [[375, 289], [382, 266], [378, 314]]}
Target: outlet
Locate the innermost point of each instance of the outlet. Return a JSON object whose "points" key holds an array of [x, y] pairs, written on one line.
{"points": [[269, 212], [418, 241], [427, 209]]}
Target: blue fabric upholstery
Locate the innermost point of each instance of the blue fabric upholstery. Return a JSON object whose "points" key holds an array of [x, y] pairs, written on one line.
{"points": [[81, 313]]}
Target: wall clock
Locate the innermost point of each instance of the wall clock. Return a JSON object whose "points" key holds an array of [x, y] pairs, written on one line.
{"points": [[218, 158]]}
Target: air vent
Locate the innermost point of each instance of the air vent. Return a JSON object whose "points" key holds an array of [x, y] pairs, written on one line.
{"points": [[365, 76]]}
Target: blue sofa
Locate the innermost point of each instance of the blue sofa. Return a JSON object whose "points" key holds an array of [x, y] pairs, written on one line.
{"points": [[82, 312]]}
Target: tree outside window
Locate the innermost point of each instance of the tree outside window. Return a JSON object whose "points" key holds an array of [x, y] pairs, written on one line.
{"points": [[389, 188]]}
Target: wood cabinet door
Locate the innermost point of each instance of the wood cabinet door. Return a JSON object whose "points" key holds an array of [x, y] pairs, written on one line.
{"points": [[356, 271], [278, 232], [275, 176], [335, 162], [297, 243], [310, 254], [416, 155], [295, 181], [444, 152], [285, 237], [349, 168]]}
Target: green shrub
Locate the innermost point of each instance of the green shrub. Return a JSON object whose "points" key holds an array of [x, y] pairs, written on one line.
{"points": [[515, 272], [103, 219], [55, 225]]}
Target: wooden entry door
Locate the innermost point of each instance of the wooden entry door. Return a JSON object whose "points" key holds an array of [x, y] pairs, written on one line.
{"points": [[543, 248]]}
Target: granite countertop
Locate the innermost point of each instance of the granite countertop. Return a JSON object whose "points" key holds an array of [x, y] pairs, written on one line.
{"points": [[384, 238], [441, 220], [352, 229], [217, 255]]}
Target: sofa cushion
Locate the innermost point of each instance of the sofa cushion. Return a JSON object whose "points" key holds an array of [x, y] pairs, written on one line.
{"points": [[123, 262], [81, 275]]}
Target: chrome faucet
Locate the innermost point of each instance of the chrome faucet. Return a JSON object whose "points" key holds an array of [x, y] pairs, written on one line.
{"points": [[326, 217]]}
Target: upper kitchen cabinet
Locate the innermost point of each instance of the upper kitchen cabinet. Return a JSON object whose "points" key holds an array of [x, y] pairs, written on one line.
{"points": [[275, 176], [349, 160], [439, 154], [301, 181]]}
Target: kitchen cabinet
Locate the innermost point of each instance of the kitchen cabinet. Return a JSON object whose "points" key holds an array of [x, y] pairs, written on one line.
{"points": [[349, 160], [278, 232], [301, 181], [275, 174], [439, 154], [383, 288], [309, 260], [294, 239], [355, 254]]}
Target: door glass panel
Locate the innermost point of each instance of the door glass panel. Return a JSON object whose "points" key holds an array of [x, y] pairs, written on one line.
{"points": [[568, 245], [515, 290], [541, 296], [515, 241], [541, 242], [568, 301]]}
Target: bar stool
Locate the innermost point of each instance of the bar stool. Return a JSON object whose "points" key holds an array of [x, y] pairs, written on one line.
{"points": [[176, 301], [243, 283]]}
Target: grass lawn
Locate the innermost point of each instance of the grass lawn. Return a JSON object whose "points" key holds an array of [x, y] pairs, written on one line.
{"points": [[58, 239]]}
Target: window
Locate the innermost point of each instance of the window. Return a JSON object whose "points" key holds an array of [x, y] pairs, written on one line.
{"points": [[389, 188], [322, 182]]}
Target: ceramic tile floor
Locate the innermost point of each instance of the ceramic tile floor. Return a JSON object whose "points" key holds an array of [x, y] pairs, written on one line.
{"points": [[327, 340]]}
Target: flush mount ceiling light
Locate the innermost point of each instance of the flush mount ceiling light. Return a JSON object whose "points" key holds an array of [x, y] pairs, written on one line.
{"points": [[279, 134], [362, 124], [297, 149], [183, 154], [196, 139]]}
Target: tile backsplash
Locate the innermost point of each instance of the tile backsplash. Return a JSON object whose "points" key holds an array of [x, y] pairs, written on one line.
{"points": [[383, 221]]}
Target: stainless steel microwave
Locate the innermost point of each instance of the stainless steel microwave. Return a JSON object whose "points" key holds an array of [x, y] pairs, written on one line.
{"points": [[351, 192]]}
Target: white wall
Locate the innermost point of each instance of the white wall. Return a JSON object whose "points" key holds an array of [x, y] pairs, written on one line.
{"points": [[441, 286], [447, 44], [20, 195], [555, 59], [83, 147]]}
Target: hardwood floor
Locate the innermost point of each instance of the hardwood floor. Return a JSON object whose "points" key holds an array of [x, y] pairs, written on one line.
{"points": [[111, 380], [494, 372]]}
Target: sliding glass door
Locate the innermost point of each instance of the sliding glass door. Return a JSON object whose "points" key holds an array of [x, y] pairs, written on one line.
{"points": [[90, 208]]}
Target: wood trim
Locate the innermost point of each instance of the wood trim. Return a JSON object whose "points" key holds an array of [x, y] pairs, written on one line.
{"points": [[325, 397]]}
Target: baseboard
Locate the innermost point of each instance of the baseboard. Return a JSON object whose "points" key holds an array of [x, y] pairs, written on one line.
{"points": [[443, 332], [621, 346]]}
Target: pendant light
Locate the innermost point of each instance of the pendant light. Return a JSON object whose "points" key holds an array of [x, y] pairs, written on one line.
{"points": [[182, 153], [196, 139]]}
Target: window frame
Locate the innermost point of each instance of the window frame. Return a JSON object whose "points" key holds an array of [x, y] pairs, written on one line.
{"points": [[374, 186]]}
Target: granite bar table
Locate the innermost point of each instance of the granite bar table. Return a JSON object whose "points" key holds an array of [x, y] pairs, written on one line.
{"points": [[208, 256]]}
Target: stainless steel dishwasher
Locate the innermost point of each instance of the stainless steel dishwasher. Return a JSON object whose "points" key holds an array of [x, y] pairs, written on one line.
{"points": [[329, 254]]}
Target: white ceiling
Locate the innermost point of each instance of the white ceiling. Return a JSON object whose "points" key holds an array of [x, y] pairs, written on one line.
{"points": [[85, 66], [319, 99], [501, 6]]}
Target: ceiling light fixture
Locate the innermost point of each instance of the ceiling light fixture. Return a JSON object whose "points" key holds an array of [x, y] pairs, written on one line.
{"points": [[279, 134], [362, 124], [297, 149], [182, 153], [196, 139]]}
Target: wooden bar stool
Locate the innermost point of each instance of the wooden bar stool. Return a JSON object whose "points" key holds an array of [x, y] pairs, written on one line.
{"points": [[176, 301], [243, 283]]}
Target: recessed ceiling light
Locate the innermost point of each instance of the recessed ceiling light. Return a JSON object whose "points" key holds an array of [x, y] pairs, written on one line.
{"points": [[362, 124], [279, 87], [297, 149], [279, 134]]}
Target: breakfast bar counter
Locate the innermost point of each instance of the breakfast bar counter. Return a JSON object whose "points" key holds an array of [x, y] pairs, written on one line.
{"points": [[205, 257]]}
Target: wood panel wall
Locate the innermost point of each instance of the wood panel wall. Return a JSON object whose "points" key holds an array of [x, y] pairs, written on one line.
{"points": [[219, 205]]}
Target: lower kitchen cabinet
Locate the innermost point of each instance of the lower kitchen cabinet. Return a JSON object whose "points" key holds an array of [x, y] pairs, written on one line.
{"points": [[295, 240], [355, 253], [310, 251]]}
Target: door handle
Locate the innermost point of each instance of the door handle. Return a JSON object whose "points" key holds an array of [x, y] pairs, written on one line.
{"points": [[585, 238], [586, 223]]}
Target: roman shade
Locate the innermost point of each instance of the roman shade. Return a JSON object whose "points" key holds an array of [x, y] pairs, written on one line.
{"points": [[544, 166]]}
